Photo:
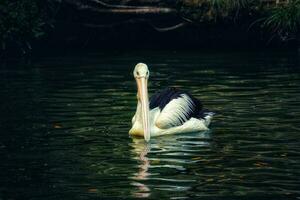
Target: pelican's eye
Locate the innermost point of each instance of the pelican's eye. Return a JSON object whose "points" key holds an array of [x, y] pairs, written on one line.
{"points": [[137, 73]]}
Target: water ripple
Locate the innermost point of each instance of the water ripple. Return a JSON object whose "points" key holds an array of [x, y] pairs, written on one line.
{"points": [[64, 129]]}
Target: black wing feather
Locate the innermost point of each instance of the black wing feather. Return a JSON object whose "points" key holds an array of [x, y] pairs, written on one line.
{"points": [[163, 97]]}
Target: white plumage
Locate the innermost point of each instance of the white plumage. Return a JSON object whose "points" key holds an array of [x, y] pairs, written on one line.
{"points": [[174, 112], [172, 119]]}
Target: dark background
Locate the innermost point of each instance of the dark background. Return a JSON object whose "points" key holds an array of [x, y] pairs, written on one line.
{"points": [[52, 26]]}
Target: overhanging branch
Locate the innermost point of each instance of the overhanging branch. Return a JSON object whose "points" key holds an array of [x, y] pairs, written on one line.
{"points": [[116, 6], [120, 9], [170, 28]]}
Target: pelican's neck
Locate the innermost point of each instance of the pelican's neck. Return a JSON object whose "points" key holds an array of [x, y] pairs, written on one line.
{"points": [[137, 121], [142, 112], [138, 113]]}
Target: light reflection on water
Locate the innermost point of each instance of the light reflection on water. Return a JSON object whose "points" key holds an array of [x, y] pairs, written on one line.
{"points": [[64, 128], [169, 152]]}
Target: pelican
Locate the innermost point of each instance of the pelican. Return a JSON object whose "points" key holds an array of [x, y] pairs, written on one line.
{"points": [[168, 111]]}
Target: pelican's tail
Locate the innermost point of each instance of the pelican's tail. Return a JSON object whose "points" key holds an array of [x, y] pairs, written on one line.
{"points": [[207, 116]]}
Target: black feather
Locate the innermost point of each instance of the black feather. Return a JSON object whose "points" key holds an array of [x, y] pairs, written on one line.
{"points": [[163, 97]]}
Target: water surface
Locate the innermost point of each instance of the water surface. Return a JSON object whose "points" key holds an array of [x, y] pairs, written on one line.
{"points": [[64, 125]]}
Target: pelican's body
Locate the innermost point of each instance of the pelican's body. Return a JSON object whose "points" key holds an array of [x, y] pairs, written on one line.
{"points": [[169, 111]]}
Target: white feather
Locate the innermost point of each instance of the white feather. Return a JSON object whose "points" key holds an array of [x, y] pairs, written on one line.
{"points": [[175, 111], [192, 125]]}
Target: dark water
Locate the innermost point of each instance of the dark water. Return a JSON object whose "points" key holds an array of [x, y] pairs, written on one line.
{"points": [[64, 125]]}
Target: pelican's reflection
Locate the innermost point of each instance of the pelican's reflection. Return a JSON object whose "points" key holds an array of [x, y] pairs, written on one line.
{"points": [[141, 149], [175, 152]]}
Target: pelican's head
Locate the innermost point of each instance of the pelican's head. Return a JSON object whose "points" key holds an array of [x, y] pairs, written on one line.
{"points": [[141, 75], [141, 71]]}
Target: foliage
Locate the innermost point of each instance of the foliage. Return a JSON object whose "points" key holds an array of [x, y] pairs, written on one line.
{"points": [[20, 22], [229, 4], [24, 21], [279, 19], [284, 21], [215, 10]]}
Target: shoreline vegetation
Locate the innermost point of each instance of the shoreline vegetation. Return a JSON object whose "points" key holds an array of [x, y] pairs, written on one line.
{"points": [[26, 25]]}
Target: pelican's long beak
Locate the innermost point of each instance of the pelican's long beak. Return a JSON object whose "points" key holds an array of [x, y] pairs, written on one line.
{"points": [[142, 83]]}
